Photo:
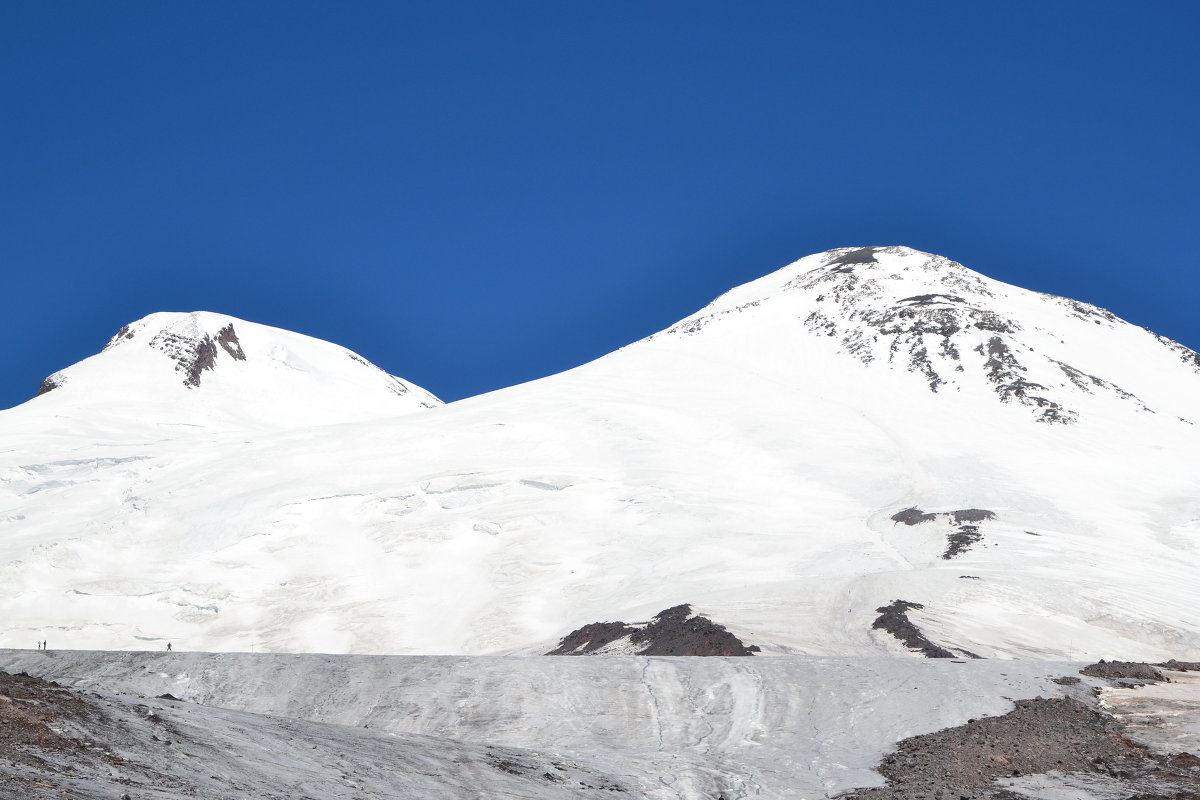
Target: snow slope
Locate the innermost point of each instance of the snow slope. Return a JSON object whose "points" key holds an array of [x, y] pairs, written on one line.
{"points": [[748, 460]]}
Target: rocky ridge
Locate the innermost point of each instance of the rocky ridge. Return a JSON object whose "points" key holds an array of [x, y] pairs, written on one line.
{"points": [[675, 631], [957, 331]]}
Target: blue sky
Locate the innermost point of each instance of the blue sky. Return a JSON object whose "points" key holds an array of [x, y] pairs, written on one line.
{"points": [[473, 195]]}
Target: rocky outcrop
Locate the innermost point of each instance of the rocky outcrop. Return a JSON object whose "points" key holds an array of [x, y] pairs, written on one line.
{"points": [[965, 533], [592, 638], [673, 632], [125, 334], [1057, 736], [227, 338], [50, 384], [893, 618], [1123, 671], [934, 334], [194, 352]]}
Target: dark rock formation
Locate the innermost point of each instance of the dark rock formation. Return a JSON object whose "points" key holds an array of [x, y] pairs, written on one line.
{"points": [[894, 619], [673, 632], [1007, 376], [863, 255], [971, 515], [591, 638], [1123, 670], [195, 354], [1037, 737], [31, 711], [227, 338], [931, 299], [913, 516], [122, 335], [959, 541], [50, 384]]}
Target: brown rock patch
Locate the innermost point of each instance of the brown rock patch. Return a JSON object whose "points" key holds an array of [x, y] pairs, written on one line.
{"points": [[1123, 670], [893, 618], [1037, 736], [673, 632], [227, 338]]}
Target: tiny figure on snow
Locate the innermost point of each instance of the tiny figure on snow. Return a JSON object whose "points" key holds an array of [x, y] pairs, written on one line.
{"points": [[168, 647]]}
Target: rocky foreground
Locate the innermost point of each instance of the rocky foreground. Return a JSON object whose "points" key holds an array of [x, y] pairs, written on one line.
{"points": [[57, 742], [199, 725]]}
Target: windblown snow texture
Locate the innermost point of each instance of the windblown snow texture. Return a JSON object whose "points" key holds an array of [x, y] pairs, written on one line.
{"points": [[751, 459]]}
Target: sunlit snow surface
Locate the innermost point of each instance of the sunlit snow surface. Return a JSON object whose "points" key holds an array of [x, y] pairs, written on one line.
{"points": [[747, 461]]}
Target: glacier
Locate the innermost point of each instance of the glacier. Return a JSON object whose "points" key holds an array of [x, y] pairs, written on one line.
{"points": [[749, 461]]}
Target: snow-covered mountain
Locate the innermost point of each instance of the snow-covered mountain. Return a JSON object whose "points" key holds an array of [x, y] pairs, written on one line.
{"points": [[863, 426], [956, 331], [211, 372]]}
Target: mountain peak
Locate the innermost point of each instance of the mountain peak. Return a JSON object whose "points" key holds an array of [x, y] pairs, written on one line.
{"points": [[193, 340], [953, 329], [876, 268], [202, 368], [873, 254]]}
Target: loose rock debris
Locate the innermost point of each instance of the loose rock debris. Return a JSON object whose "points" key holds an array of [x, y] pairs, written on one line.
{"points": [[1063, 736]]}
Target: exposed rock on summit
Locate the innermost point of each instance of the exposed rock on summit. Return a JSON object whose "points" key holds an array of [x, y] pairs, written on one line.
{"points": [[194, 352], [926, 334], [227, 338], [956, 330]]}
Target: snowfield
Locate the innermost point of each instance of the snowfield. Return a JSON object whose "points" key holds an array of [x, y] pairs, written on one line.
{"points": [[750, 460]]}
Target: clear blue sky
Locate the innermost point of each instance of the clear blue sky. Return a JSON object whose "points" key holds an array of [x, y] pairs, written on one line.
{"points": [[478, 194]]}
